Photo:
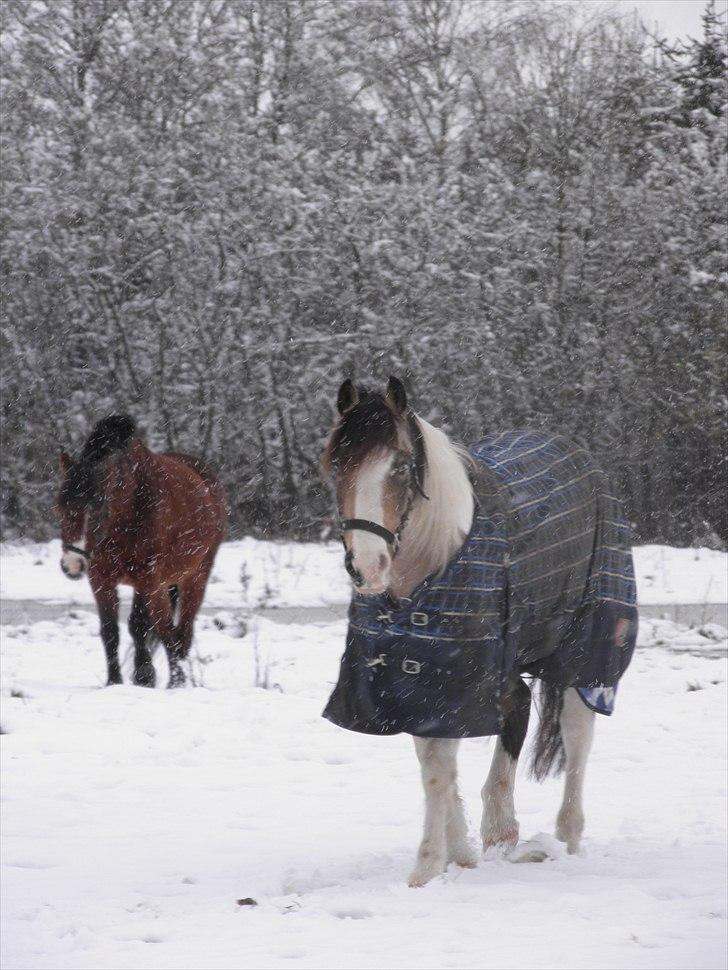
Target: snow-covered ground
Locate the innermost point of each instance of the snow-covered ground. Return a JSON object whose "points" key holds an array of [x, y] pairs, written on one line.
{"points": [[250, 572], [134, 819]]}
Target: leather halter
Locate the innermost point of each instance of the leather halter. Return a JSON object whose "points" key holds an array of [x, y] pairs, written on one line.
{"points": [[364, 525], [393, 539]]}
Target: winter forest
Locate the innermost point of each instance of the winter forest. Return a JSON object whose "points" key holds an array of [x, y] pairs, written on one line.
{"points": [[215, 210]]}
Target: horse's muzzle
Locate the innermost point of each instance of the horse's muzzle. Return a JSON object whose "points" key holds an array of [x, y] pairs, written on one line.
{"points": [[364, 586], [74, 575]]}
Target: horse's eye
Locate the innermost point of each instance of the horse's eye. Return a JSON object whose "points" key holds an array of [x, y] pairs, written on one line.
{"points": [[400, 470]]}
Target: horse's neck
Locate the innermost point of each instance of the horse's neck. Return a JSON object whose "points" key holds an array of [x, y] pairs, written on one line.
{"points": [[119, 513], [438, 527]]}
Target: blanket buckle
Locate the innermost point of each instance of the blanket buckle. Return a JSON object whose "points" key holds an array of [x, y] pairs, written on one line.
{"points": [[419, 619], [376, 661], [411, 666]]}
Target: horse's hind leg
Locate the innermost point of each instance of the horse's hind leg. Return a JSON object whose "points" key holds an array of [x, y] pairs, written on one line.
{"points": [[191, 595], [577, 733], [159, 606], [499, 825], [445, 835], [140, 626]]}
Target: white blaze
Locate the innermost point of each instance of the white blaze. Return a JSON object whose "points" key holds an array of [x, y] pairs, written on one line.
{"points": [[369, 504]]}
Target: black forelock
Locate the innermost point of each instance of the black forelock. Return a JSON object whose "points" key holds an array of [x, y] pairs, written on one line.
{"points": [[369, 424]]}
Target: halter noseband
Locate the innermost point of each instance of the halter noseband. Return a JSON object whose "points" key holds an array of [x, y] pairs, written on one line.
{"points": [[67, 547], [392, 539], [364, 525]]}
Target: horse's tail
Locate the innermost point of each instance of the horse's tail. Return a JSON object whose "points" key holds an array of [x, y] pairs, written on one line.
{"points": [[548, 750], [151, 640]]}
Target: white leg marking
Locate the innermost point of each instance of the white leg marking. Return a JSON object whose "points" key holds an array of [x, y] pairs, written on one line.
{"points": [[499, 825], [460, 849], [445, 832], [577, 731]]}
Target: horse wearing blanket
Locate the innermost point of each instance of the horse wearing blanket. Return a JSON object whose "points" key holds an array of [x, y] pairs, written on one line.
{"points": [[471, 570]]}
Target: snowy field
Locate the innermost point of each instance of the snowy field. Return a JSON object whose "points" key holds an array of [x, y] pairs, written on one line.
{"points": [[250, 573], [133, 820]]}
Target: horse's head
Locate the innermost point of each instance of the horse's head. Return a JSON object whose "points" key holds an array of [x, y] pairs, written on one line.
{"points": [[376, 460], [83, 490], [75, 495]]}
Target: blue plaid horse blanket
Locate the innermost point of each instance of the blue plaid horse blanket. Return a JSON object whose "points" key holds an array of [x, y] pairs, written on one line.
{"points": [[543, 585]]}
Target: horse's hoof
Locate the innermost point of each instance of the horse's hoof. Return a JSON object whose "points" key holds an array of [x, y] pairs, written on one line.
{"points": [[464, 856], [425, 871], [569, 826], [145, 676], [113, 680], [504, 836], [175, 682]]}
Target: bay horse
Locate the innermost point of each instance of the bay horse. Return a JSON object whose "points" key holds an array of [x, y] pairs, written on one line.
{"points": [[472, 570], [151, 521]]}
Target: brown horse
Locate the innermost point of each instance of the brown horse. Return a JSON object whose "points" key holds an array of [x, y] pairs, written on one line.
{"points": [[150, 521]]}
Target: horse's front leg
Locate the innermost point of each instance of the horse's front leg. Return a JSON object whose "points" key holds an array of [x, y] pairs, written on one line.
{"points": [[577, 733], [140, 626], [445, 834], [460, 849], [499, 825], [107, 604]]}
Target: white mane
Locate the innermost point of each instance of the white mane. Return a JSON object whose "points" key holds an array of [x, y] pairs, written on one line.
{"points": [[437, 527]]}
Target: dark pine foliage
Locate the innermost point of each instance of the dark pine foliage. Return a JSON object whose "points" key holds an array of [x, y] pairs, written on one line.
{"points": [[214, 211]]}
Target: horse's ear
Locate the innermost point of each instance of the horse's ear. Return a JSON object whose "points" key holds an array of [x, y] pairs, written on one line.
{"points": [[396, 395], [347, 397], [64, 462]]}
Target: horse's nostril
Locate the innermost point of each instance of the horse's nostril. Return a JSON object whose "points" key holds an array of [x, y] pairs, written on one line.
{"points": [[383, 562]]}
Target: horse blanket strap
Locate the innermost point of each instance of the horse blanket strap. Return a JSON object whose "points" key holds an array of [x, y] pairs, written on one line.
{"points": [[543, 585]]}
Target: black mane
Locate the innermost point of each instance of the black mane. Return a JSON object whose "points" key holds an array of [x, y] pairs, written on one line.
{"points": [[110, 435]]}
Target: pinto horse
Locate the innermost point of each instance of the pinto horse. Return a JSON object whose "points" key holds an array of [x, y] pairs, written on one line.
{"points": [[472, 570], [150, 521]]}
